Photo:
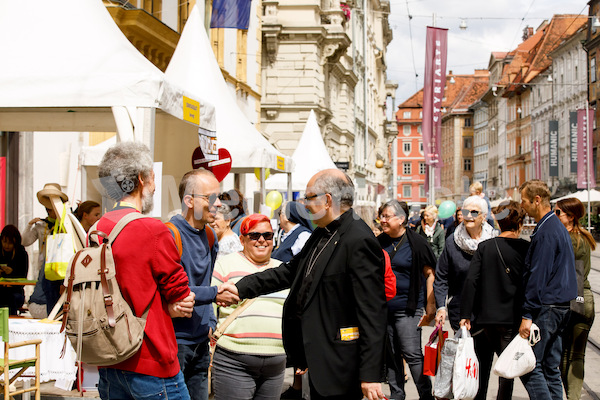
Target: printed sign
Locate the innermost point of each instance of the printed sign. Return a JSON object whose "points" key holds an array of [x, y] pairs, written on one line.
{"points": [[191, 110]]}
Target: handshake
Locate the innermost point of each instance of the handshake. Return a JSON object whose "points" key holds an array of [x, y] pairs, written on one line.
{"points": [[227, 295]]}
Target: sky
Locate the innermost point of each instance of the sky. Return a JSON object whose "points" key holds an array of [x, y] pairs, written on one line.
{"points": [[492, 25]]}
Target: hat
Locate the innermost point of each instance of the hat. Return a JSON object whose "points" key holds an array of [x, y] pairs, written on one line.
{"points": [[51, 189]]}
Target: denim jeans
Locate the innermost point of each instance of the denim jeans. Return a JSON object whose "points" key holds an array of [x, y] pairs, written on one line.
{"points": [[194, 360], [246, 376], [119, 385], [405, 338], [544, 382]]}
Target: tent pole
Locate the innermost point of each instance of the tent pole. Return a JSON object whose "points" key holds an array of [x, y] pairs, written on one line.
{"points": [[263, 190], [289, 186]]}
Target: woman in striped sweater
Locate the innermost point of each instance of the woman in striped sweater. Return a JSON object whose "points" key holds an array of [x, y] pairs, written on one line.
{"points": [[249, 361]]}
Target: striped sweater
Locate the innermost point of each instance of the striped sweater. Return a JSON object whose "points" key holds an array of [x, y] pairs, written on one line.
{"points": [[257, 330]]}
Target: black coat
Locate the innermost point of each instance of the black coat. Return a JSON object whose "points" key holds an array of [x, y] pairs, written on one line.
{"points": [[347, 292]]}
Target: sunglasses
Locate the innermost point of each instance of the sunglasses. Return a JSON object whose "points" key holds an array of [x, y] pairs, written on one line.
{"points": [[474, 213], [257, 235], [557, 212], [211, 198], [313, 196]]}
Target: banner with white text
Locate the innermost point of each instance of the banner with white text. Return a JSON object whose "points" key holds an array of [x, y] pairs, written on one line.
{"points": [[573, 140], [553, 148], [433, 92], [585, 166]]}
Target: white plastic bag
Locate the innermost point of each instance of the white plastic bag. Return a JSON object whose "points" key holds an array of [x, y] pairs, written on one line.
{"points": [[465, 377], [518, 358], [442, 386]]}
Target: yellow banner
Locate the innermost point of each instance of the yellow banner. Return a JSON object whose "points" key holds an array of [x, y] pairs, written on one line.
{"points": [[191, 110], [280, 163]]}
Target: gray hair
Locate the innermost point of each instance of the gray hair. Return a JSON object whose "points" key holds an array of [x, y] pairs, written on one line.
{"points": [[399, 208], [340, 188], [121, 166], [478, 201], [225, 211]]}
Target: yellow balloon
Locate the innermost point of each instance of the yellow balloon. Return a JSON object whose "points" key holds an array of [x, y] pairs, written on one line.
{"points": [[274, 199], [257, 173]]}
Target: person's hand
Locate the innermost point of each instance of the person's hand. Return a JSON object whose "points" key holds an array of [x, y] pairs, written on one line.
{"points": [[466, 323], [33, 221], [6, 269], [372, 390], [183, 308], [440, 317], [227, 295], [300, 371], [525, 328]]}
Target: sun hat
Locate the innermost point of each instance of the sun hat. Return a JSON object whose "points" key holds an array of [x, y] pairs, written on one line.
{"points": [[51, 189]]}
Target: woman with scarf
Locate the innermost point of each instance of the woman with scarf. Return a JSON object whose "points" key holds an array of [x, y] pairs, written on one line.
{"points": [[413, 265], [297, 231], [431, 230], [453, 265]]}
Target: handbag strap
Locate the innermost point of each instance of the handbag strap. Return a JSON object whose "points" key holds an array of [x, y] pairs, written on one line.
{"points": [[223, 326], [506, 268]]}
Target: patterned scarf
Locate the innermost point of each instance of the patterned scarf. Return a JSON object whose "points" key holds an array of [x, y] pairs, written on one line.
{"points": [[466, 243]]}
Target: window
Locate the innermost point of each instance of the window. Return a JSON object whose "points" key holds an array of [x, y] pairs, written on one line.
{"points": [[422, 169], [406, 168], [407, 147], [467, 121], [420, 114], [406, 130], [419, 129], [406, 191], [593, 68], [406, 115], [421, 191], [468, 142], [467, 164], [421, 147]]}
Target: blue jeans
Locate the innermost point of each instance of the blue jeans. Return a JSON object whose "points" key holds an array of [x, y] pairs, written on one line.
{"points": [[118, 384], [239, 376], [194, 360], [405, 337], [544, 382]]}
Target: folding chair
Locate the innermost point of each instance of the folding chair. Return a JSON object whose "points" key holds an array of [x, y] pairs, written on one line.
{"points": [[7, 364]]}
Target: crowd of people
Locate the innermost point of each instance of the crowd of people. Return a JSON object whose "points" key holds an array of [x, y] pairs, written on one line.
{"points": [[319, 287]]}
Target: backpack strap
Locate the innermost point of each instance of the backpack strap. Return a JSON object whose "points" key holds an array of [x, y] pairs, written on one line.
{"points": [[177, 236], [67, 303], [121, 224]]}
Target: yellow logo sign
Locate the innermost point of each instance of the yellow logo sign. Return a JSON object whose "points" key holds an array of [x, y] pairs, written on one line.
{"points": [[280, 163], [191, 110]]}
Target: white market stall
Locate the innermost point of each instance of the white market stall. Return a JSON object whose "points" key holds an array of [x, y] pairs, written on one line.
{"points": [[583, 196], [310, 157], [195, 67]]}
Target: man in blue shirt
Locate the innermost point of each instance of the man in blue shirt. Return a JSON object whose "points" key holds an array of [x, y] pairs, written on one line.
{"points": [[199, 194], [550, 285]]}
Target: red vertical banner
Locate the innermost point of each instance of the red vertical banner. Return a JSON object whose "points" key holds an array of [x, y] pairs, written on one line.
{"points": [[585, 168], [2, 192], [433, 92]]}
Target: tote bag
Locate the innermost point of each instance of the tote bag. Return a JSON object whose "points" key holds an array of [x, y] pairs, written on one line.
{"points": [[465, 378], [518, 358], [59, 250], [433, 351]]}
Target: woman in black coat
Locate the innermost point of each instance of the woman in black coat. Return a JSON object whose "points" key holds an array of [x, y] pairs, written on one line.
{"points": [[14, 263], [493, 294]]}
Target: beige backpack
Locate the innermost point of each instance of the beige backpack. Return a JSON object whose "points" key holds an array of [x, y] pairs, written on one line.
{"points": [[99, 322]]}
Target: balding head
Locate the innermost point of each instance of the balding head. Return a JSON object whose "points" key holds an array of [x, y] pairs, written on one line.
{"points": [[336, 183]]}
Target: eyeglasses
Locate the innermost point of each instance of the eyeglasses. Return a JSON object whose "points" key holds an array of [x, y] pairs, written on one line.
{"points": [[557, 212], [386, 217], [211, 198], [474, 213], [313, 196], [257, 235]]}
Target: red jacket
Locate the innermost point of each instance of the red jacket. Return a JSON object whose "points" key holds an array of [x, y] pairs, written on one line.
{"points": [[148, 273]]}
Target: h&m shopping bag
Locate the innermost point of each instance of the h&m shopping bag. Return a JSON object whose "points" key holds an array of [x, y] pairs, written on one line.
{"points": [[59, 250], [433, 351], [442, 387], [465, 378], [518, 358]]}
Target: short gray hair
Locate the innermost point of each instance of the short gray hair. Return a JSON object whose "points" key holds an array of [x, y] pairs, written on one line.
{"points": [[340, 188], [121, 166], [399, 208], [478, 201]]}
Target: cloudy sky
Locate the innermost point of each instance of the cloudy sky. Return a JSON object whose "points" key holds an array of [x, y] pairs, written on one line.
{"points": [[492, 25]]}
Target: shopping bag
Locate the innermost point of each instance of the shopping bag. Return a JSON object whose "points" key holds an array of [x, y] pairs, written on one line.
{"points": [[59, 250], [465, 377], [518, 358], [442, 387], [433, 351]]}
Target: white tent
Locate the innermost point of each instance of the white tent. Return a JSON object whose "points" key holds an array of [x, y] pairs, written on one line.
{"points": [[75, 71], [582, 195], [194, 66], [310, 157]]}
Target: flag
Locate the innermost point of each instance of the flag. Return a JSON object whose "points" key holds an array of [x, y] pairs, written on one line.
{"points": [[230, 14], [585, 168], [433, 92]]}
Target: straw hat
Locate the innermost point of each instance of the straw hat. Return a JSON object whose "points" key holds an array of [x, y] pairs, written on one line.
{"points": [[51, 189]]}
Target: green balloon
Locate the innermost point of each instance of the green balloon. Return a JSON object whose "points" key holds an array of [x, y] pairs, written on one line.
{"points": [[446, 209]]}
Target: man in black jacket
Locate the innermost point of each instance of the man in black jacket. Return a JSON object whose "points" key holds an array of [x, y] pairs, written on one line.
{"points": [[334, 319]]}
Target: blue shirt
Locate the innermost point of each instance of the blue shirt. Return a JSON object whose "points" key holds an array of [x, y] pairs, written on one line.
{"points": [[198, 261], [402, 265], [549, 276]]}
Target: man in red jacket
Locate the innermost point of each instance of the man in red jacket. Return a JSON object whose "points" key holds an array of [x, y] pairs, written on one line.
{"points": [[150, 278]]}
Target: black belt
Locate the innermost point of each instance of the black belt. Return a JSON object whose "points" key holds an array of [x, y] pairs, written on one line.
{"points": [[565, 304]]}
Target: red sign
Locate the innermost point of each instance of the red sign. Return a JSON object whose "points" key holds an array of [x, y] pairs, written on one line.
{"points": [[220, 167], [433, 93], [585, 166]]}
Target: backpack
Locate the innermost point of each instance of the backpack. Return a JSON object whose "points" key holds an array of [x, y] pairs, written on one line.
{"points": [[210, 235], [98, 321]]}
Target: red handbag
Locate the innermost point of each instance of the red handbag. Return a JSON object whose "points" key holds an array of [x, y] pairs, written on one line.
{"points": [[433, 351]]}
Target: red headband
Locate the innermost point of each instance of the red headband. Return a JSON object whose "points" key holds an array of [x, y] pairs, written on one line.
{"points": [[251, 221]]}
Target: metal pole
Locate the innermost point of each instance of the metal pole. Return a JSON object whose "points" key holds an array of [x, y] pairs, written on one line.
{"points": [[431, 196], [587, 164], [365, 84]]}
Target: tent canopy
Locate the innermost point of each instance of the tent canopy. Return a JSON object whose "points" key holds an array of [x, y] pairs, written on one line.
{"points": [[69, 70], [582, 195], [310, 157], [195, 67]]}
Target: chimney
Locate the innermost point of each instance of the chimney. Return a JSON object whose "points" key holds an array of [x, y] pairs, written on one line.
{"points": [[527, 32]]}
